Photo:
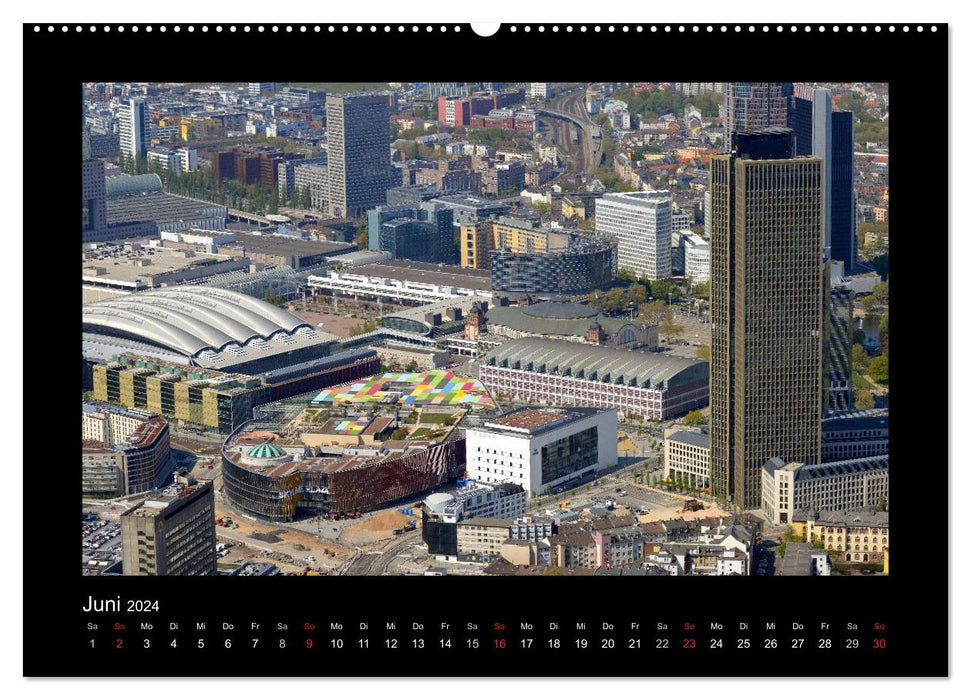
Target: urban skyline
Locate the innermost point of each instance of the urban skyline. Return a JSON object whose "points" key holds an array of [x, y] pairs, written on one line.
{"points": [[485, 328]]}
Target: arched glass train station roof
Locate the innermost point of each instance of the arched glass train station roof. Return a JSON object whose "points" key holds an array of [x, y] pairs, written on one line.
{"points": [[193, 320]]}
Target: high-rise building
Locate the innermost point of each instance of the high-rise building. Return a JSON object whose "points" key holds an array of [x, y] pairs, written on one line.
{"points": [[750, 106], [94, 201], [358, 152], [766, 310], [171, 533], [133, 129], [826, 133], [640, 222], [842, 205], [425, 234], [837, 350]]}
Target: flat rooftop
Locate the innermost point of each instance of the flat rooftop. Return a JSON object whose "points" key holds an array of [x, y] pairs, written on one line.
{"points": [[533, 420], [275, 244], [120, 265], [429, 273]]}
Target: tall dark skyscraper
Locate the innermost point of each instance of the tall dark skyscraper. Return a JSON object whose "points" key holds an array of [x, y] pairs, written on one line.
{"points": [[358, 152], [767, 319], [750, 106], [826, 133]]}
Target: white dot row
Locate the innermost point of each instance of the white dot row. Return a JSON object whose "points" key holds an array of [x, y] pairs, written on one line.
{"points": [[511, 28]]}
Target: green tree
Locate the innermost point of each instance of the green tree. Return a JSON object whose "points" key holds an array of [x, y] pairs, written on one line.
{"points": [[869, 303], [882, 503], [861, 359], [361, 237], [881, 290], [702, 290], [884, 332], [273, 205], [879, 369], [670, 328], [695, 417], [864, 399], [655, 312], [703, 352]]}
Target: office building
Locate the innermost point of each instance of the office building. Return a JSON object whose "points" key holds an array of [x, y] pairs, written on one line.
{"points": [[837, 350], [122, 451], [766, 310], [133, 130], [640, 223], [310, 185], [690, 256], [753, 106], [192, 396], [687, 457], [849, 484], [826, 133], [171, 533], [358, 152], [855, 434], [423, 233], [540, 448], [94, 201], [443, 511], [585, 265], [645, 384]]}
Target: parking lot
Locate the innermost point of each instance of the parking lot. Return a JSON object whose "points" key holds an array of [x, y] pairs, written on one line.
{"points": [[100, 543]]}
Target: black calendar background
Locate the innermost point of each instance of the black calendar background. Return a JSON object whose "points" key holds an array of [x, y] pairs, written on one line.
{"points": [[901, 624]]}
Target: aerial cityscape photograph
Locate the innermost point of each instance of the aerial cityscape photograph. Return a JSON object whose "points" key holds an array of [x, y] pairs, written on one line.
{"points": [[485, 329]]}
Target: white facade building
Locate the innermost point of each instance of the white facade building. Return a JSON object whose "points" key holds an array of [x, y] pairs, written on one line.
{"points": [[696, 258], [133, 129], [540, 90], [640, 222], [540, 448]]}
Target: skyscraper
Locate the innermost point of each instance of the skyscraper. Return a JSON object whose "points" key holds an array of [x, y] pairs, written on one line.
{"points": [[828, 134], [750, 106], [837, 348], [94, 201], [766, 310], [842, 206], [640, 222], [358, 152], [133, 130]]}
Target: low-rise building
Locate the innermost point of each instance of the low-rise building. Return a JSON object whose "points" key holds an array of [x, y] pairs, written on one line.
{"points": [[481, 539], [858, 536], [687, 456]]}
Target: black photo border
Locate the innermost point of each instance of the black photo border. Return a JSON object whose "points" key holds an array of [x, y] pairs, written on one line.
{"points": [[912, 602]]}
